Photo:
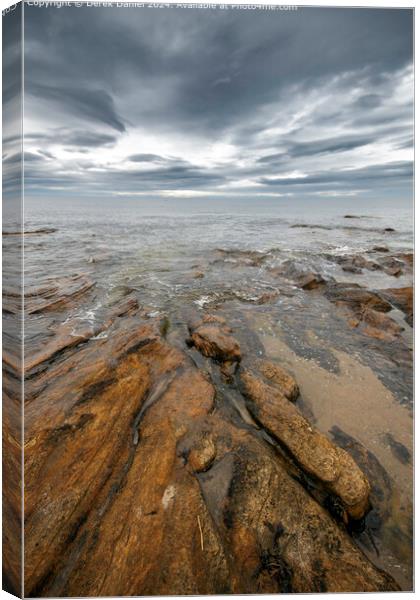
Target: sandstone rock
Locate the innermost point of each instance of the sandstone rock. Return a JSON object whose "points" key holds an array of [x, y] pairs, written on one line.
{"points": [[133, 463], [314, 453], [280, 378], [213, 343], [407, 257], [53, 294], [401, 298], [356, 297], [380, 325], [310, 281], [202, 454]]}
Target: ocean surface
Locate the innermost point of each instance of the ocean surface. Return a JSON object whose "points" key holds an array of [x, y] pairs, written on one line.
{"points": [[150, 245], [181, 257]]}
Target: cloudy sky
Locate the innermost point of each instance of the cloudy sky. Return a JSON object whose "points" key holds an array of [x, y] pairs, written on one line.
{"points": [[134, 102]]}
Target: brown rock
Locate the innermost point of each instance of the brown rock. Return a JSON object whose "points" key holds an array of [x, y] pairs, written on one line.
{"points": [[401, 298], [310, 281], [380, 326], [212, 342], [280, 378], [356, 297], [131, 463], [314, 453], [202, 454]]}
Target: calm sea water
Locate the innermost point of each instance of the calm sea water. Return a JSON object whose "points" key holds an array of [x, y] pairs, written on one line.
{"points": [[123, 238]]}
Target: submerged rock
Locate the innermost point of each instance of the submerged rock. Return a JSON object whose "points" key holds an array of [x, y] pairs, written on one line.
{"points": [[356, 297], [401, 298]]}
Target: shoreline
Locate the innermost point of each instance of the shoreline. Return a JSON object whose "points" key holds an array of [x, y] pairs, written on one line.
{"points": [[156, 420]]}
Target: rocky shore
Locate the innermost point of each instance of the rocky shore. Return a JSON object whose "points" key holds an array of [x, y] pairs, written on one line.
{"points": [[162, 460]]}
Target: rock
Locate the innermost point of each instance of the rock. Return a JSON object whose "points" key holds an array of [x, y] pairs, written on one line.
{"points": [[133, 461], [212, 342], [310, 281], [202, 454], [279, 378], [389, 230], [356, 297], [379, 249], [53, 294], [407, 257], [249, 258], [379, 325], [351, 217], [356, 263], [349, 268], [313, 452], [32, 231], [400, 452], [392, 266], [198, 275], [304, 279], [401, 298]]}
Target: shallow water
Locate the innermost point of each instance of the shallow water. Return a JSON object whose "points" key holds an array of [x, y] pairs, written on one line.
{"points": [[182, 257]]}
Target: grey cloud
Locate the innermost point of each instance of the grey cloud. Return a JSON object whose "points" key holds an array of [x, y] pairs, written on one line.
{"points": [[95, 105], [396, 171], [326, 146], [217, 76]]}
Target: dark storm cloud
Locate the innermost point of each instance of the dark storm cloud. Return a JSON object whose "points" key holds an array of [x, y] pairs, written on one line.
{"points": [[310, 92], [92, 105]]}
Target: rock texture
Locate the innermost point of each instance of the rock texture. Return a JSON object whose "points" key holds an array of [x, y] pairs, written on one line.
{"points": [[401, 298], [313, 452], [139, 479]]}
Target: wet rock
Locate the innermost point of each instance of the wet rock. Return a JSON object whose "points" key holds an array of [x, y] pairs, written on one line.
{"points": [[32, 231], [279, 378], [302, 278], [314, 453], [310, 281], [53, 294], [349, 268], [407, 257], [250, 258], [389, 230], [400, 452], [202, 454], [377, 325], [401, 298], [355, 264], [379, 249], [131, 462], [355, 297], [392, 266], [215, 342]]}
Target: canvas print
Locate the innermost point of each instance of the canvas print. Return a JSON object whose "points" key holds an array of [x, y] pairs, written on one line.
{"points": [[207, 299]]}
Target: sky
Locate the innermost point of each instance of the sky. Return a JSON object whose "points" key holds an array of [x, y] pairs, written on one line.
{"points": [[167, 103]]}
